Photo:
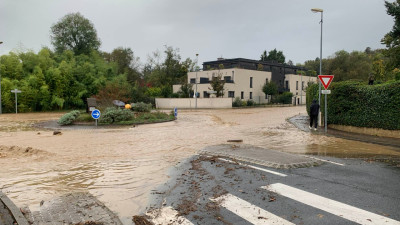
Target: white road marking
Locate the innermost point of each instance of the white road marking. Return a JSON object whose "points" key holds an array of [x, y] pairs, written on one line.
{"points": [[248, 211], [167, 215], [255, 167], [334, 207], [328, 161]]}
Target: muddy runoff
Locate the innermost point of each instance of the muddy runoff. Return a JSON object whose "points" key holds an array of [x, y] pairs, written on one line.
{"points": [[122, 166]]}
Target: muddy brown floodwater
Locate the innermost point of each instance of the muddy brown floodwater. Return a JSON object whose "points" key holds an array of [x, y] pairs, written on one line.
{"points": [[121, 166]]}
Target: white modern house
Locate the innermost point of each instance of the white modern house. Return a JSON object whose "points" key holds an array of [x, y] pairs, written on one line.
{"points": [[245, 79]]}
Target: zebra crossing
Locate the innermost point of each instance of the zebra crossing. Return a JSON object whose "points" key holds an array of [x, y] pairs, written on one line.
{"points": [[255, 211], [259, 216]]}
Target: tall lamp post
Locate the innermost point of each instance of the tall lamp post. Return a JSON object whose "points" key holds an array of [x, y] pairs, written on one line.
{"points": [[316, 10], [0, 86], [195, 94]]}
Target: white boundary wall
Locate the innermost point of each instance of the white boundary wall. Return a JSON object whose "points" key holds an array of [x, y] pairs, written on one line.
{"points": [[189, 103]]}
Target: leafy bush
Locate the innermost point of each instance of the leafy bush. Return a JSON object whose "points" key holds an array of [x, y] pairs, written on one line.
{"points": [[251, 103], [286, 98], [237, 102], [112, 115], [69, 118], [357, 104], [142, 107], [84, 117]]}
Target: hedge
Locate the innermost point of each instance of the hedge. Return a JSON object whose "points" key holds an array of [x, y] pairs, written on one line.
{"points": [[69, 118], [356, 104], [113, 114]]}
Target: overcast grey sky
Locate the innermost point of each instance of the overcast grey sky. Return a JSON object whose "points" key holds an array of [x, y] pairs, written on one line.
{"points": [[211, 28]]}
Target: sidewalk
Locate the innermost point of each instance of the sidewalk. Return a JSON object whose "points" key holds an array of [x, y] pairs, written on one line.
{"points": [[302, 123]]}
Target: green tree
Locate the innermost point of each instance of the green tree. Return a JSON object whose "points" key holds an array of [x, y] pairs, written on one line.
{"points": [[217, 85], [264, 56], [392, 39], [270, 88], [74, 32], [185, 90], [273, 55]]}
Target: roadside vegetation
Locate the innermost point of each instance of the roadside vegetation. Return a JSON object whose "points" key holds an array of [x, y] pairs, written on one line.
{"points": [[358, 104], [116, 116], [355, 100]]}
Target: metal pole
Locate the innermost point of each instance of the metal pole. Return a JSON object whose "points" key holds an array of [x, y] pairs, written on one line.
{"points": [[320, 67], [326, 114], [16, 102], [195, 94]]}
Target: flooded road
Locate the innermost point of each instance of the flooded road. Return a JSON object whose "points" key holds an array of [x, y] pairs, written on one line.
{"points": [[121, 166]]}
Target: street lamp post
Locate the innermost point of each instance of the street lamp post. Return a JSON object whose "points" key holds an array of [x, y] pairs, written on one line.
{"points": [[0, 86], [195, 94], [316, 10]]}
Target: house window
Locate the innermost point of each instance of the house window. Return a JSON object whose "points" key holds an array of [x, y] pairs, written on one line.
{"points": [[302, 85], [251, 95], [192, 80], [251, 82], [228, 79], [287, 84], [205, 94], [242, 95], [266, 81], [297, 85], [231, 94], [204, 80]]}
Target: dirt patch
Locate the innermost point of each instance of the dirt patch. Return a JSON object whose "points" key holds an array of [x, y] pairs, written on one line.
{"points": [[141, 220], [15, 151], [89, 223]]}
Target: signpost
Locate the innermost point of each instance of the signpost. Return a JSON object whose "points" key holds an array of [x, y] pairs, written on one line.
{"points": [[326, 81], [96, 115], [16, 91]]}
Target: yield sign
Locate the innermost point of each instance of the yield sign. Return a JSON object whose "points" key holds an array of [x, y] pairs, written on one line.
{"points": [[326, 80]]}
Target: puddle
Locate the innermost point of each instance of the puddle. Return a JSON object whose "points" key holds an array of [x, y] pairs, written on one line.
{"points": [[121, 166]]}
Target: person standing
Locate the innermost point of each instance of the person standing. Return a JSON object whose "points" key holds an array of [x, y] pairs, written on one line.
{"points": [[371, 79], [314, 110]]}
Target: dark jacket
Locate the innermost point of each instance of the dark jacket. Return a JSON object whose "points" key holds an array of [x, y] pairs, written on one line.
{"points": [[314, 109]]}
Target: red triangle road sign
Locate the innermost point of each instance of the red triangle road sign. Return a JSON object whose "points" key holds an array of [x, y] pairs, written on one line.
{"points": [[326, 80]]}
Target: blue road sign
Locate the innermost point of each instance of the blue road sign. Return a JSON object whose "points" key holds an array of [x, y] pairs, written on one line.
{"points": [[96, 114], [176, 112]]}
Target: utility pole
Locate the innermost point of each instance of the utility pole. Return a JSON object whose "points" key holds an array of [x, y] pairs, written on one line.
{"points": [[195, 94], [316, 10]]}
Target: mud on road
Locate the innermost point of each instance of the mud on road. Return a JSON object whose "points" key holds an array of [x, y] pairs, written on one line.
{"points": [[203, 178]]}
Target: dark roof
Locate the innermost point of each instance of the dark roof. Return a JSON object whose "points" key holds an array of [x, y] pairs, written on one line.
{"points": [[267, 63]]}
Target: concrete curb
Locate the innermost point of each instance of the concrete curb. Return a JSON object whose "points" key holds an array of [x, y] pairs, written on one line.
{"points": [[14, 210]]}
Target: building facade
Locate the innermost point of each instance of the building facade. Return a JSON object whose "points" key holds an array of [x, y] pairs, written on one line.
{"points": [[245, 79]]}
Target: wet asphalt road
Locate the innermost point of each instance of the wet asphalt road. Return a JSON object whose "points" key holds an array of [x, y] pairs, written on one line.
{"points": [[370, 186]]}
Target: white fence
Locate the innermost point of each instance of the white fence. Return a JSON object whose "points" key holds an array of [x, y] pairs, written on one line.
{"points": [[190, 103]]}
